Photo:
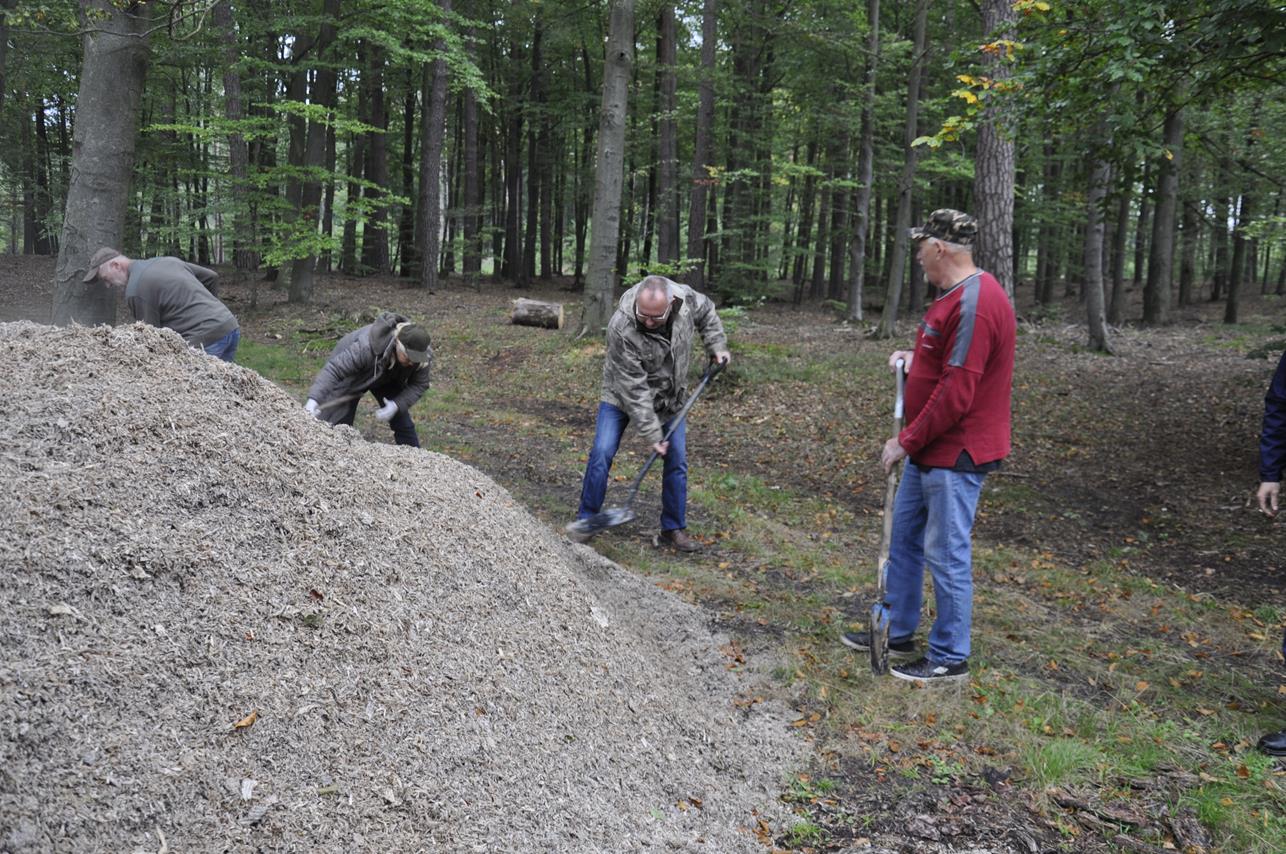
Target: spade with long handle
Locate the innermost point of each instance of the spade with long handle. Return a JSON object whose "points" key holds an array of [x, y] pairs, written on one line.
{"points": [[614, 516], [880, 609]]}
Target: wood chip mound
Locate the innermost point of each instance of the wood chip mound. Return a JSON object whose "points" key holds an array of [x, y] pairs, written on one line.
{"points": [[227, 626]]}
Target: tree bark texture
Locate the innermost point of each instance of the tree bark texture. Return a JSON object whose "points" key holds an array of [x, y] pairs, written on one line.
{"points": [[1156, 293], [667, 214], [993, 186], [530, 312], [865, 167], [111, 90], [1096, 317], [434, 134], [609, 177], [897, 264], [701, 180]]}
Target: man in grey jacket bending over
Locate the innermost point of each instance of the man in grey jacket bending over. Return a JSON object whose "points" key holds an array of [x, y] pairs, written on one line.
{"points": [[172, 293], [390, 358], [650, 340]]}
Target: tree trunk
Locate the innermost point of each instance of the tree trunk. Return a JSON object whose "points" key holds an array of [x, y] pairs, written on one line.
{"points": [[1116, 310], [1188, 238], [865, 167], [888, 320], [581, 201], [1100, 176], [1141, 228], [433, 135], [609, 177], [701, 157], [472, 189], [406, 223], [993, 186], [667, 215], [513, 264], [111, 90], [5, 6], [807, 203], [839, 219], [243, 255], [530, 312], [532, 231], [375, 255], [1156, 294], [322, 95]]}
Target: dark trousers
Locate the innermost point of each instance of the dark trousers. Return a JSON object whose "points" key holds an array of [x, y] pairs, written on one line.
{"points": [[401, 424]]}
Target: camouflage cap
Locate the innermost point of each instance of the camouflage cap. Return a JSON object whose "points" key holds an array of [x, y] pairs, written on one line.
{"points": [[950, 225]]}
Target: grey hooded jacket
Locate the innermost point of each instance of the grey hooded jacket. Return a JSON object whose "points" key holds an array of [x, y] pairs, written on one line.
{"points": [[365, 359], [645, 373]]}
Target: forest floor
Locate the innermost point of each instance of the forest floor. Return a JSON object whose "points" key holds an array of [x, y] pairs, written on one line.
{"points": [[1128, 600]]}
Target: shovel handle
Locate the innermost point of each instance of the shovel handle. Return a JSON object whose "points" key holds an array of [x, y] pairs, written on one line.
{"points": [[711, 372], [891, 483]]}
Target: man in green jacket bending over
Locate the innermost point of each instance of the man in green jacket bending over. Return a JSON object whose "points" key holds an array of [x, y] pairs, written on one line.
{"points": [[172, 293]]}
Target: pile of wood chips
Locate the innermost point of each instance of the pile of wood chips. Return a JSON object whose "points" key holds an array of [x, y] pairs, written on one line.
{"points": [[227, 626]]}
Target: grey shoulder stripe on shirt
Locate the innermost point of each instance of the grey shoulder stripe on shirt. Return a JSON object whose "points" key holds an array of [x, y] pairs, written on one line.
{"points": [[968, 317]]}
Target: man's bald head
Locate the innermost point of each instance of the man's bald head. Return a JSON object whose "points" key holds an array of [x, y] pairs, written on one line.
{"points": [[652, 302]]}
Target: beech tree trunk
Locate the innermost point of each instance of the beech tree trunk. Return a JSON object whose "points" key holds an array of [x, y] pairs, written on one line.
{"points": [[1156, 293], [701, 180], [322, 94], [111, 90], [472, 189], [1100, 176], [993, 185], [434, 133], [897, 264], [609, 175], [667, 214], [865, 162], [530, 312]]}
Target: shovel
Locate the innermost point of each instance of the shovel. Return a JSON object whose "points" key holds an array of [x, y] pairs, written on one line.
{"points": [[880, 610], [614, 516]]}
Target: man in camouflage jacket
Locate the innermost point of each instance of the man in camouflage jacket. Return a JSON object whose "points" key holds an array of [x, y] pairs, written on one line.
{"points": [[650, 340]]}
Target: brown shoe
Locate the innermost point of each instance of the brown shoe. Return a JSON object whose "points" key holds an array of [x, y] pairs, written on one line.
{"points": [[678, 540]]}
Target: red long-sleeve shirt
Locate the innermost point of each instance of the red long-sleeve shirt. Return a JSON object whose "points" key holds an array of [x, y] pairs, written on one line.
{"points": [[959, 388]]}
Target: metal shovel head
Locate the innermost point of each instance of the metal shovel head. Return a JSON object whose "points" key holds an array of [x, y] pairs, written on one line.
{"points": [[880, 638], [609, 518]]}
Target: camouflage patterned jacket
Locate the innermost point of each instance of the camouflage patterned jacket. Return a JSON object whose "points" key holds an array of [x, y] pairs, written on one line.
{"points": [[645, 373]]}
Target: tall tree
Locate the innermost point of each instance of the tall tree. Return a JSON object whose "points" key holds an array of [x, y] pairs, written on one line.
{"points": [[1100, 177], [434, 132], [311, 164], [897, 263], [609, 175], [111, 90], [701, 149], [667, 215], [243, 255], [1156, 293], [865, 166], [993, 186]]}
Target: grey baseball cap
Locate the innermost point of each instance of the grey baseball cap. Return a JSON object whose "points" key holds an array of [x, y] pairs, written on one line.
{"points": [[98, 259]]}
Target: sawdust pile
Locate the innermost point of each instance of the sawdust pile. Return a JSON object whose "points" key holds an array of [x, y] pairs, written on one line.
{"points": [[226, 626]]}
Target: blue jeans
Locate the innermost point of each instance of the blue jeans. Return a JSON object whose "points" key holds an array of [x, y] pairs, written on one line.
{"points": [[402, 425], [932, 523], [607, 438], [226, 347]]}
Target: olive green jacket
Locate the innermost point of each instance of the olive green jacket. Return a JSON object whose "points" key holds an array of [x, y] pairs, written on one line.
{"points": [[645, 373]]}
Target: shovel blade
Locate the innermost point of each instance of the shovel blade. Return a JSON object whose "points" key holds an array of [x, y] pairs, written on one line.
{"points": [[601, 521], [879, 638]]}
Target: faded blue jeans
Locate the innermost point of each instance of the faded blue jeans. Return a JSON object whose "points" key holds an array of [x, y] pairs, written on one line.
{"points": [[933, 524], [226, 347], [607, 438]]}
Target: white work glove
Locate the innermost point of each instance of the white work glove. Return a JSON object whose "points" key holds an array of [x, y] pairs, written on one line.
{"points": [[387, 411], [311, 407]]}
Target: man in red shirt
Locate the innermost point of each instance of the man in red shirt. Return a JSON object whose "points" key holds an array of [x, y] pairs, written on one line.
{"points": [[959, 379]]}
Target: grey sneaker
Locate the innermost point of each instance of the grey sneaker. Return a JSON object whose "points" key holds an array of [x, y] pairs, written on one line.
{"points": [[925, 671], [901, 649]]}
